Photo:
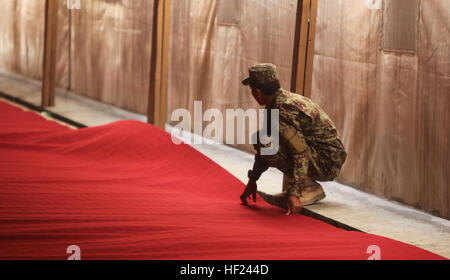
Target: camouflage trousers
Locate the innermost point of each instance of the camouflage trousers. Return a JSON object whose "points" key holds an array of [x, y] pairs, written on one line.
{"points": [[321, 167]]}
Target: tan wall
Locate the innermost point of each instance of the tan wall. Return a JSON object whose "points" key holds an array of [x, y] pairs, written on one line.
{"points": [[391, 108]]}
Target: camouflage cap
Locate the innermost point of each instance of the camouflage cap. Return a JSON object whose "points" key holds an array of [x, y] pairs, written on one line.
{"points": [[262, 75]]}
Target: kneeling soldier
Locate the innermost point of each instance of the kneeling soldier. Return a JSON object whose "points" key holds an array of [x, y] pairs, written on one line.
{"points": [[310, 148]]}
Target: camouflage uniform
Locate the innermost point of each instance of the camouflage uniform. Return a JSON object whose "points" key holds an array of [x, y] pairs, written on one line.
{"points": [[310, 144]]}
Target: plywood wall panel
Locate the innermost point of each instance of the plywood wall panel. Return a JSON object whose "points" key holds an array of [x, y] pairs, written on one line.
{"points": [[342, 71], [395, 124], [21, 37], [110, 52]]}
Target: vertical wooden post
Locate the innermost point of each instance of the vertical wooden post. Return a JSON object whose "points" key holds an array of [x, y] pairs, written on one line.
{"points": [[310, 48], [303, 58], [49, 67], [157, 101], [300, 42]]}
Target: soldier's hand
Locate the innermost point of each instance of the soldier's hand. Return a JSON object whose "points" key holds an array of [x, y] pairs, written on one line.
{"points": [[249, 192], [294, 205]]}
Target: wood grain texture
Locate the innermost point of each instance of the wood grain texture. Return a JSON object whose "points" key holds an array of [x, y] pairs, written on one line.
{"points": [[157, 100], [50, 43], [300, 46], [22, 37]]}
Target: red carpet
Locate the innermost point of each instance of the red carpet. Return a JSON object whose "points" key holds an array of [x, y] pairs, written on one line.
{"points": [[125, 191]]}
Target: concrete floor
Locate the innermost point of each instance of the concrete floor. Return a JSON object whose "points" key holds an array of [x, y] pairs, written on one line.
{"points": [[347, 205]]}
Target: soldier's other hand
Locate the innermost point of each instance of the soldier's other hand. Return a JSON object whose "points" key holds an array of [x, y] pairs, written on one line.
{"points": [[249, 192], [294, 205]]}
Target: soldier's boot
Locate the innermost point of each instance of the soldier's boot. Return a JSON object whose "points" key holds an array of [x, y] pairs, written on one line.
{"points": [[312, 193]]}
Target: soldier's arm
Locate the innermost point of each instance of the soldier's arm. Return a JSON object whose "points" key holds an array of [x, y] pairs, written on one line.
{"points": [[259, 167]]}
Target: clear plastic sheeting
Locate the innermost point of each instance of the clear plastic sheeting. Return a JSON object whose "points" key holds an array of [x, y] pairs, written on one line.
{"points": [[391, 108], [207, 60]]}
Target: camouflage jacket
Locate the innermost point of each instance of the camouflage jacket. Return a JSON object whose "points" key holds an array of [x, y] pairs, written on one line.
{"points": [[312, 135]]}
